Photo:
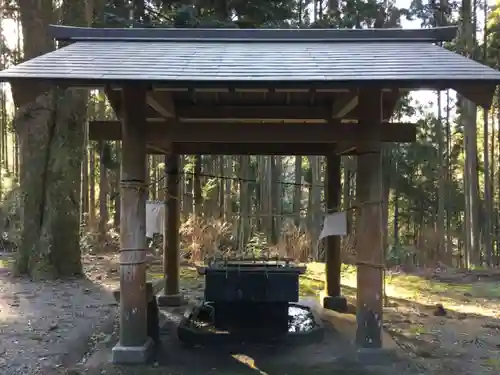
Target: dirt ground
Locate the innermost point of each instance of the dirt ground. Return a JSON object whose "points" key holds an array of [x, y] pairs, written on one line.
{"points": [[45, 328], [465, 341], [458, 343]]}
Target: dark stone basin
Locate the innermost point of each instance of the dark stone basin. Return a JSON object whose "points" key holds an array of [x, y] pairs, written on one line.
{"points": [[252, 281], [201, 326]]}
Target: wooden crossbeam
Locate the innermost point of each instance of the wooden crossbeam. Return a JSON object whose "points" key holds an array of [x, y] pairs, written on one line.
{"points": [[344, 104], [159, 103], [197, 112], [237, 132], [205, 148], [162, 103], [284, 149]]}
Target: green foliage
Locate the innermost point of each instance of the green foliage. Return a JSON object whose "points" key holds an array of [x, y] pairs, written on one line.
{"points": [[209, 188], [189, 164], [257, 245]]}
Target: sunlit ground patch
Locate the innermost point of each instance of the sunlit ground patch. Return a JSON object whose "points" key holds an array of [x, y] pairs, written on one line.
{"points": [[476, 298]]}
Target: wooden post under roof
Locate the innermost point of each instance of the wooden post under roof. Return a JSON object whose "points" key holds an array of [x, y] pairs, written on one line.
{"points": [[134, 345], [369, 247], [171, 239], [332, 298]]}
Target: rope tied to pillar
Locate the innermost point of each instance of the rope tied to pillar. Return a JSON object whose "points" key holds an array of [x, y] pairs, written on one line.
{"points": [[353, 207], [378, 266], [133, 184], [167, 198], [369, 264], [363, 204], [133, 256]]}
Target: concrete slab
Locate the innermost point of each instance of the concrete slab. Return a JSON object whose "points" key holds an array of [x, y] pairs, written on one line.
{"points": [[335, 354], [335, 303], [127, 355]]}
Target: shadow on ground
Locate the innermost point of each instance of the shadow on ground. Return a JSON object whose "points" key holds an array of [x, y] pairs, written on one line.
{"points": [[334, 354], [331, 352], [457, 343], [44, 325]]}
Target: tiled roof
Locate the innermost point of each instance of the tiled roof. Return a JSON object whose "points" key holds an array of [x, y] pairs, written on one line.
{"points": [[437, 34], [100, 59]]}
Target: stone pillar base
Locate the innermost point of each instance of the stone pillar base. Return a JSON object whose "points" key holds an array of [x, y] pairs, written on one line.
{"points": [[129, 355], [335, 303], [171, 300]]}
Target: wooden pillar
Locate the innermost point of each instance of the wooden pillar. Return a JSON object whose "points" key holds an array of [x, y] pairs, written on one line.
{"points": [[171, 238], [369, 246], [134, 345], [332, 298]]}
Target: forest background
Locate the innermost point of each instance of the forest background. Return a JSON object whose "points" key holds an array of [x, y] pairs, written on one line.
{"points": [[59, 193]]}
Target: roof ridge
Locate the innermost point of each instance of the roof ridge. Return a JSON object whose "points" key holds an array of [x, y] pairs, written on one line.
{"points": [[70, 33]]}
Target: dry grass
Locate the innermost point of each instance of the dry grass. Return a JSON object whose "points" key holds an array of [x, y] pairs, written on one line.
{"points": [[205, 238], [202, 238], [97, 243], [293, 243]]}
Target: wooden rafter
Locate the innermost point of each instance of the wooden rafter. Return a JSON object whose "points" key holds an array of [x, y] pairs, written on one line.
{"points": [[344, 104], [162, 103]]}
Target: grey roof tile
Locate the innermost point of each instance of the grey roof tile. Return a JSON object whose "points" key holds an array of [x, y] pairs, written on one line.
{"points": [[435, 34], [258, 61]]}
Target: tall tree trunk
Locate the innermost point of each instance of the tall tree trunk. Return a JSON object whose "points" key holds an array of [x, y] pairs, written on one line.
{"points": [[188, 198], [276, 197], [244, 199], [84, 204], [487, 194], [494, 224], [222, 188], [470, 139], [197, 186], [266, 182], [488, 201], [3, 122], [441, 183], [349, 166], [297, 191], [115, 173], [92, 186], [103, 191], [51, 137], [396, 217], [314, 211], [449, 213], [228, 200], [386, 190]]}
